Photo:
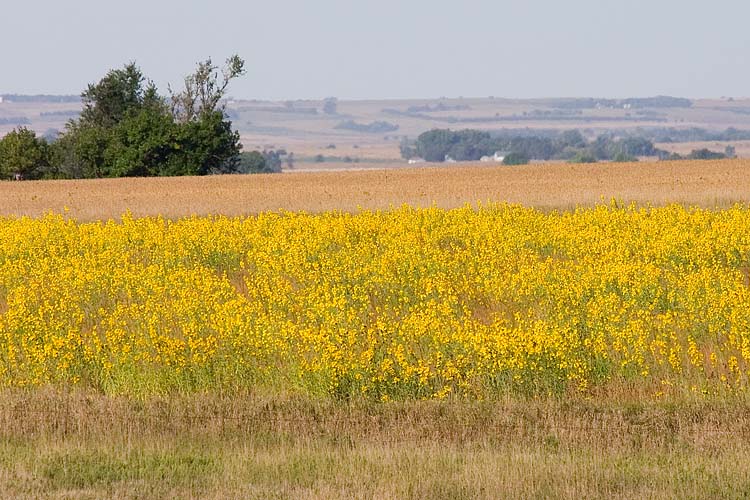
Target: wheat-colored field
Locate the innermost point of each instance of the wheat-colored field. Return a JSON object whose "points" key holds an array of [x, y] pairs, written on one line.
{"points": [[703, 183]]}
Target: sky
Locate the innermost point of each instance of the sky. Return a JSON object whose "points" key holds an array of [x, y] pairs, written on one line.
{"points": [[367, 49]]}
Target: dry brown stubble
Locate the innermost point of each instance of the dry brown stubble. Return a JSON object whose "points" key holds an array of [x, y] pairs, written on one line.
{"points": [[560, 186]]}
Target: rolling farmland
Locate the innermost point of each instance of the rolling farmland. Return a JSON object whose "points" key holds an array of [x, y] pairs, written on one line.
{"points": [[371, 250], [399, 333]]}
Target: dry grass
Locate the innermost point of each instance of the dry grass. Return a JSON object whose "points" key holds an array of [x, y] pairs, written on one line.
{"points": [[704, 183], [63, 445]]}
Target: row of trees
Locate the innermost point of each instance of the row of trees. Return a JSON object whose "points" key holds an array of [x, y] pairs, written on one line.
{"points": [[376, 127], [633, 102], [471, 145], [127, 129]]}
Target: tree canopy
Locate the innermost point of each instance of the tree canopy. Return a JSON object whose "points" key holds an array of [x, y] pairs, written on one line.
{"points": [[127, 128], [23, 155]]}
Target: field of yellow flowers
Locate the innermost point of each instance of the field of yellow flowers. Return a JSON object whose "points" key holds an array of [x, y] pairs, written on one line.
{"points": [[400, 304]]}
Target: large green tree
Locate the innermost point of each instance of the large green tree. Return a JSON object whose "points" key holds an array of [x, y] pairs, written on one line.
{"points": [[23, 155], [128, 129]]}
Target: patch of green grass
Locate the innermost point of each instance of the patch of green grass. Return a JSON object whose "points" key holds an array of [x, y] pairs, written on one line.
{"points": [[80, 469]]}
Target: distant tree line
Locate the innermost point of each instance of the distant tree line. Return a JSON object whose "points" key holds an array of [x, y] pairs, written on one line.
{"points": [[330, 105], [127, 129], [376, 127], [694, 134], [654, 134], [632, 102], [15, 120], [40, 98], [288, 108], [470, 145], [533, 116], [704, 154], [426, 108], [65, 113]]}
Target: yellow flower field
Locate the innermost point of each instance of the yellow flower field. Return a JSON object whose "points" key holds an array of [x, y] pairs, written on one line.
{"points": [[407, 303]]}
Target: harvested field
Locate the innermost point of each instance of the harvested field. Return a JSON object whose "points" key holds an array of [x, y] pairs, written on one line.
{"points": [[703, 183]]}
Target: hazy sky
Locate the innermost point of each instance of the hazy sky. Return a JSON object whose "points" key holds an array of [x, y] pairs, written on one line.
{"points": [[388, 48]]}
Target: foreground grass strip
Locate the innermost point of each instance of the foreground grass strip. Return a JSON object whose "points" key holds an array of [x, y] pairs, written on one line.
{"points": [[321, 448]]}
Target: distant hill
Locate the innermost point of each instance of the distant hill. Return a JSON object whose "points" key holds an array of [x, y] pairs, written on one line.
{"points": [[40, 98]]}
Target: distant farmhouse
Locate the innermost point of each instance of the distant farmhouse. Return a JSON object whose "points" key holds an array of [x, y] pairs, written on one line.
{"points": [[498, 157]]}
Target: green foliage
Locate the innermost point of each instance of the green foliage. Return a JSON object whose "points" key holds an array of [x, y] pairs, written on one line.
{"points": [[205, 146], [635, 146], [204, 90], [514, 158], [120, 93], [705, 154], [80, 151], [471, 145], [376, 127], [573, 139], [540, 148], [252, 162], [583, 157], [622, 157], [693, 134], [274, 159], [15, 120], [330, 105], [141, 144], [672, 157], [606, 147], [127, 129], [436, 144], [635, 103], [23, 155], [407, 149], [600, 148], [255, 162]]}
